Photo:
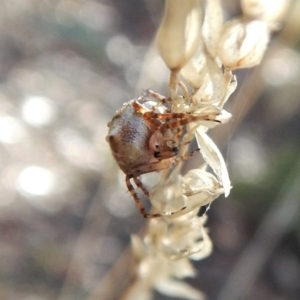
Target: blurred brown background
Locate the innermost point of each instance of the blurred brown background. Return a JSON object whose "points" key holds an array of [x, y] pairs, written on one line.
{"points": [[65, 216]]}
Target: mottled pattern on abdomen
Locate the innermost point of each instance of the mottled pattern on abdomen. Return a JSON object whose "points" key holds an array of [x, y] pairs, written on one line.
{"points": [[128, 137]]}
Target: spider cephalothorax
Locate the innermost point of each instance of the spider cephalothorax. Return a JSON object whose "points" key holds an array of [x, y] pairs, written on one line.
{"points": [[144, 140]]}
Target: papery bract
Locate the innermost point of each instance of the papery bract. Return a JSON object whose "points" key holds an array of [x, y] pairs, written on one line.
{"points": [[167, 197], [206, 247], [212, 25], [195, 70], [183, 240], [179, 34], [174, 288], [214, 158], [270, 11], [243, 43]]}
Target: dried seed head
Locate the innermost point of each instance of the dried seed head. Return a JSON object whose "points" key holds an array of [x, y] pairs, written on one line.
{"points": [[212, 25], [184, 238], [214, 159], [243, 43], [179, 34], [195, 71], [269, 11], [167, 197]]}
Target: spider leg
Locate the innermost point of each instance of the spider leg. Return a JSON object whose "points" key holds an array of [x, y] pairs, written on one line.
{"points": [[153, 167], [185, 91], [138, 201], [182, 118], [140, 185], [154, 123], [163, 116], [177, 133], [139, 108], [185, 120], [154, 118], [150, 93], [161, 99], [187, 156]]}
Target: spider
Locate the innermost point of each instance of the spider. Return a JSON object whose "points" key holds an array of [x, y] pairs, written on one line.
{"points": [[143, 140]]}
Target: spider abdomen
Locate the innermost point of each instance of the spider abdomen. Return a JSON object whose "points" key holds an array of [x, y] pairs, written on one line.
{"points": [[128, 137]]}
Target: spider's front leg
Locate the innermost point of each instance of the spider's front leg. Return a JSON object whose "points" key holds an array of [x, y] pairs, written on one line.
{"points": [[156, 166], [149, 93], [139, 203], [141, 186], [137, 199], [173, 120]]}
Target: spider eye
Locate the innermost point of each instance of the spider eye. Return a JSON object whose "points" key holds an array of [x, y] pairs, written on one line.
{"points": [[156, 146], [175, 150], [157, 154]]}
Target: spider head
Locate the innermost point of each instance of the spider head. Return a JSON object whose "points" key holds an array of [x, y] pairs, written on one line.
{"points": [[161, 147]]}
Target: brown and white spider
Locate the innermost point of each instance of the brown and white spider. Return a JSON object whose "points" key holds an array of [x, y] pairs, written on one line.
{"points": [[143, 140]]}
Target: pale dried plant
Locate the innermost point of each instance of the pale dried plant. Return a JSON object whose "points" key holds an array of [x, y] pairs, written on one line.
{"points": [[201, 52]]}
